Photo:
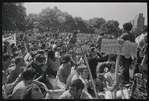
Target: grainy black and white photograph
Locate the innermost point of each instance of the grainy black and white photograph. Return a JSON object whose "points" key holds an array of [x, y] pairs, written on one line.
{"points": [[74, 50]]}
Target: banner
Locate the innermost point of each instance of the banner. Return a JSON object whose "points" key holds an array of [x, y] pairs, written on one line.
{"points": [[11, 39], [126, 48]]}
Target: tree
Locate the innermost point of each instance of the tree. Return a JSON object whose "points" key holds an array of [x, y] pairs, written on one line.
{"points": [[13, 16], [111, 28], [32, 21], [81, 25]]}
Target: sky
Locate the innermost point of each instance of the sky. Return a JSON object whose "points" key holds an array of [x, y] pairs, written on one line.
{"points": [[122, 12]]}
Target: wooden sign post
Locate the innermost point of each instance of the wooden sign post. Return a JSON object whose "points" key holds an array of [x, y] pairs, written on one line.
{"points": [[116, 74], [86, 61]]}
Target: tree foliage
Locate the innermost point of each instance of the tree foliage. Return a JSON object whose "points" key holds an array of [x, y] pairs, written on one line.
{"points": [[54, 20], [111, 27], [13, 16]]}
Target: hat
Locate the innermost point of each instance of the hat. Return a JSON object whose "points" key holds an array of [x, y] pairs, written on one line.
{"points": [[65, 59], [40, 58]]}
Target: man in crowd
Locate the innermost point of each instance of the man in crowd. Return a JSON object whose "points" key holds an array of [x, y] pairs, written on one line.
{"points": [[127, 36], [83, 74], [76, 91], [27, 77], [64, 70], [39, 65], [93, 60], [113, 85], [15, 71]]}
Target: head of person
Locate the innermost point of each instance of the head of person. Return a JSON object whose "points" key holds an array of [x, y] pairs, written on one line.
{"points": [[75, 32], [101, 69], [33, 54], [76, 87], [62, 53], [51, 55], [54, 47], [127, 27], [144, 30], [93, 51], [66, 59], [43, 46], [40, 59], [41, 52], [12, 45], [6, 58], [19, 61], [23, 49], [14, 49], [19, 47], [83, 71], [112, 66], [29, 74], [32, 91]]}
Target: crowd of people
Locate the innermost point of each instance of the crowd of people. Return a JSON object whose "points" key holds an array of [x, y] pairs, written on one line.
{"points": [[49, 69]]}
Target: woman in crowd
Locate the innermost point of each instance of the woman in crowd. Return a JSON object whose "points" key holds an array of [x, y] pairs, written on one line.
{"points": [[53, 63]]}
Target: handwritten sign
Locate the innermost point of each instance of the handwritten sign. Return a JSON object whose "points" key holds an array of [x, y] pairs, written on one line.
{"points": [[126, 48], [11, 39], [83, 43]]}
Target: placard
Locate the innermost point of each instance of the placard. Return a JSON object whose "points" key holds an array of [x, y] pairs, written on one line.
{"points": [[11, 39], [126, 48]]}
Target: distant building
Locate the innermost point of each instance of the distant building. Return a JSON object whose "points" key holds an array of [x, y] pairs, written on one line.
{"points": [[138, 21]]}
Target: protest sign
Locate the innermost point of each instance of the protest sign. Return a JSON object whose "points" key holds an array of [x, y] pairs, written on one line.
{"points": [[83, 43], [11, 39], [126, 48]]}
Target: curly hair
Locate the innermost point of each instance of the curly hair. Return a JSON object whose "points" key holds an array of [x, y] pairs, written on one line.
{"points": [[77, 83], [29, 74], [127, 26]]}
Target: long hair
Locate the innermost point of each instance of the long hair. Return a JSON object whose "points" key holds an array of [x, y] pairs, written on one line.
{"points": [[51, 55]]}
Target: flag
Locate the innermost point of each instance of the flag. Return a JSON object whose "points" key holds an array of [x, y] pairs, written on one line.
{"points": [[11, 39]]}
